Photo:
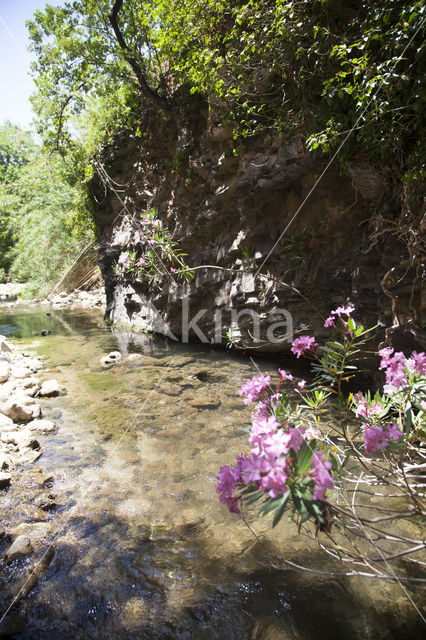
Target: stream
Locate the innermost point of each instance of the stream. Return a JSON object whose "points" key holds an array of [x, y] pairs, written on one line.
{"points": [[142, 546]]}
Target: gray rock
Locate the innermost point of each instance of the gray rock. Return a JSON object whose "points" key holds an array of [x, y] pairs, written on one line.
{"points": [[19, 548]]}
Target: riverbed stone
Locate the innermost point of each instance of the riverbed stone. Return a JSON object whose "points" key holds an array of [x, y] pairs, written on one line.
{"points": [[4, 345], [5, 462], [135, 357], [5, 479], [50, 388], [6, 423], [19, 372], [35, 531], [4, 371], [20, 408], [41, 426], [34, 364], [112, 358], [19, 548]]}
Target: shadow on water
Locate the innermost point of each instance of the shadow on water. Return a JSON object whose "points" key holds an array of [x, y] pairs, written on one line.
{"points": [[115, 585]]}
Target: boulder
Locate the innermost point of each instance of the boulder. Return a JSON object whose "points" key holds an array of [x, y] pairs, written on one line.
{"points": [[50, 388], [20, 408]]}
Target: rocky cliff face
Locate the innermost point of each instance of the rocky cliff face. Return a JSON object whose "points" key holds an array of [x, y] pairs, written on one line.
{"points": [[288, 244]]}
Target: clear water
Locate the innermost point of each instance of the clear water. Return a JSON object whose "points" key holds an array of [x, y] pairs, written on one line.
{"points": [[143, 548]]}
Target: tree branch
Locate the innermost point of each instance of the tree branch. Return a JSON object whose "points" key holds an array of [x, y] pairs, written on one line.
{"points": [[146, 89]]}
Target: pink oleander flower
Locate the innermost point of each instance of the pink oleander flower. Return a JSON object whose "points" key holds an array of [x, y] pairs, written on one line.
{"points": [[396, 376], [393, 431], [374, 438], [301, 385], [253, 387], [124, 260], [385, 355], [378, 437], [419, 362], [262, 426], [329, 322], [141, 262], [228, 479], [343, 311], [321, 476], [274, 481], [298, 435], [173, 270], [303, 345], [276, 444], [284, 375], [252, 468], [365, 410]]}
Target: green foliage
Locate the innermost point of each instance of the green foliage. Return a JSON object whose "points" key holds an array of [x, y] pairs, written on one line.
{"points": [[156, 254], [41, 224], [318, 68]]}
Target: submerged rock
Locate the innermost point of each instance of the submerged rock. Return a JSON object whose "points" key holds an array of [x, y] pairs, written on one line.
{"points": [[20, 547], [112, 358]]}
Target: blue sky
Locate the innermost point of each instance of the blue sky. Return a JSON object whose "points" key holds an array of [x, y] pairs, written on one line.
{"points": [[16, 85]]}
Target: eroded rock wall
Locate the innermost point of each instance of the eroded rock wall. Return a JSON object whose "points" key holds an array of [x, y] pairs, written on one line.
{"points": [[289, 243]]}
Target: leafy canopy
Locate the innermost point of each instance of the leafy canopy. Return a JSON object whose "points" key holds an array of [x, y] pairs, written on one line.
{"points": [[316, 68]]}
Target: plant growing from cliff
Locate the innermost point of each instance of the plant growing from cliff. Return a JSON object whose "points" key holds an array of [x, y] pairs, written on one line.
{"points": [[351, 476], [157, 253]]}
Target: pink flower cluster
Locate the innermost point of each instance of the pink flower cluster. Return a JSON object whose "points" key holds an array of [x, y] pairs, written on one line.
{"points": [[365, 409], [337, 313], [253, 387], [322, 478], [376, 437], [274, 445], [303, 345], [398, 367]]}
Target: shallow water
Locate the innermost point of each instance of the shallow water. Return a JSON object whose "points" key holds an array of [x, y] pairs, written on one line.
{"points": [[143, 547]]}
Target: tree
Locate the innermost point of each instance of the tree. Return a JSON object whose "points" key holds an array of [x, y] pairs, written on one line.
{"points": [[38, 212]]}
